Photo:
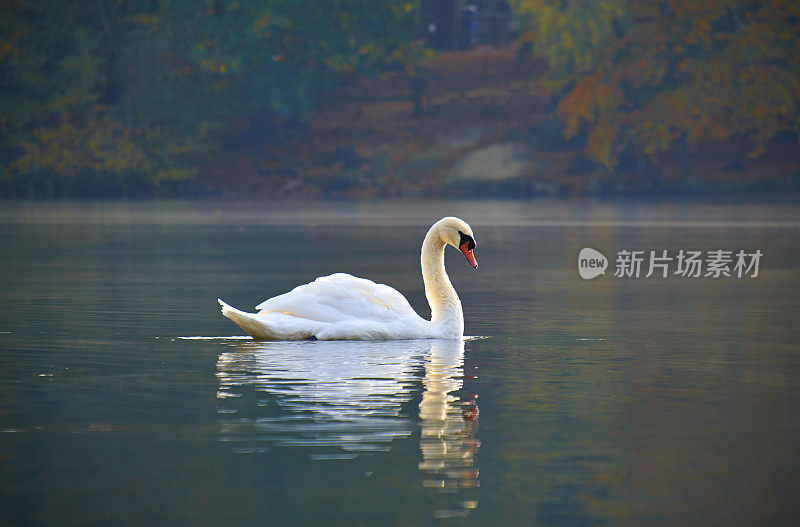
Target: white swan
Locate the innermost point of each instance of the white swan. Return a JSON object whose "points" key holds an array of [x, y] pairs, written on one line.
{"points": [[343, 307]]}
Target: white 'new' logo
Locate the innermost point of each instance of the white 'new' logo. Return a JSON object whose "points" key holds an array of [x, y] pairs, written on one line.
{"points": [[591, 263]]}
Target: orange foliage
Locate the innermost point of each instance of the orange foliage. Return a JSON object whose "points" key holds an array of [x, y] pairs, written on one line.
{"points": [[699, 69]]}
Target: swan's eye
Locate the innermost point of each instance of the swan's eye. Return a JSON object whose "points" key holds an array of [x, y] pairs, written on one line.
{"points": [[466, 238]]}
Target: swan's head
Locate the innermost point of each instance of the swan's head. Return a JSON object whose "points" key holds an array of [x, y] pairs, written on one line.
{"points": [[454, 231]]}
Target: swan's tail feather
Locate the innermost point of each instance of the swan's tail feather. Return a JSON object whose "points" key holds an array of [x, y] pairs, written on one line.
{"points": [[262, 327], [246, 321]]}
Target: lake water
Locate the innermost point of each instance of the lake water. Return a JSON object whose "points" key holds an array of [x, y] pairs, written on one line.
{"points": [[127, 399]]}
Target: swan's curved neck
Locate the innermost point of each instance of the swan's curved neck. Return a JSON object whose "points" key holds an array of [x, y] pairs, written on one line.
{"points": [[445, 304]]}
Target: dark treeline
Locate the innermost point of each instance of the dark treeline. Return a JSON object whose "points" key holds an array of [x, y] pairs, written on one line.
{"points": [[126, 96], [129, 97]]}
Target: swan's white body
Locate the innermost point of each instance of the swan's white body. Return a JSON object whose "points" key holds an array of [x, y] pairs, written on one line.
{"points": [[344, 307]]}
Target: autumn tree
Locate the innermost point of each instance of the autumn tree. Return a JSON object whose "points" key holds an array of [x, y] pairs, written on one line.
{"points": [[643, 75], [83, 93], [131, 90]]}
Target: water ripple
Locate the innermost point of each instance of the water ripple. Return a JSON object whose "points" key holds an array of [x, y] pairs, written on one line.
{"points": [[341, 400]]}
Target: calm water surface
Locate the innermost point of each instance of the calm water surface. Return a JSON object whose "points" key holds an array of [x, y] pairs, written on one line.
{"points": [[127, 399]]}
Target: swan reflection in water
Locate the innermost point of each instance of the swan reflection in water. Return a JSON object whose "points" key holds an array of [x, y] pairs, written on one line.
{"points": [[448, 426], [343, 399]]}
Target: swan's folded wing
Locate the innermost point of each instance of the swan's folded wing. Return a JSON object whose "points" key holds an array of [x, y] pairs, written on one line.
{"points": [[340, 297]]}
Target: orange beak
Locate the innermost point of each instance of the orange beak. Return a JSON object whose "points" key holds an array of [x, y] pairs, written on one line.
{"points": [[468, 253]]}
